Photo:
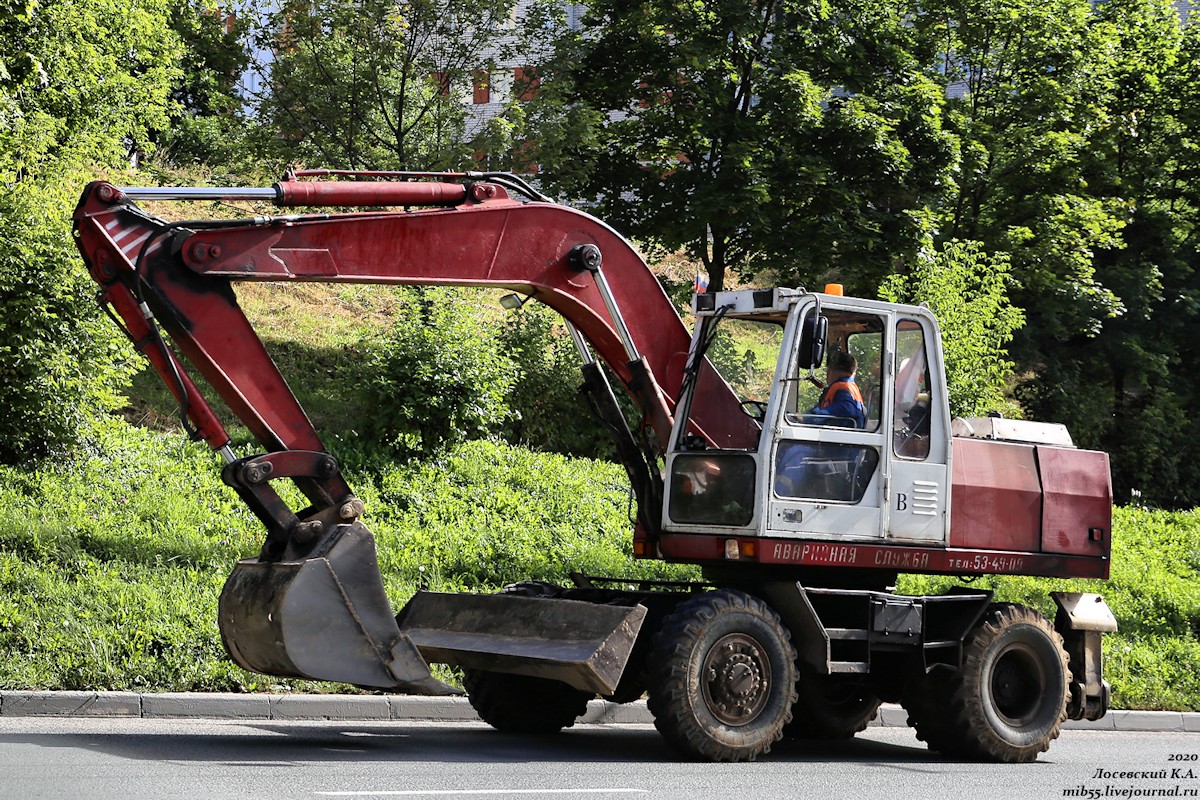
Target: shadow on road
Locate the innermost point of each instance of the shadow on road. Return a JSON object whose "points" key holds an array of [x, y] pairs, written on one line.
{"points": [[292, 743]]}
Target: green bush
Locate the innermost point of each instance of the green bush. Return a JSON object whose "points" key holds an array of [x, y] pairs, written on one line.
{"points": [[61, 363], [549, 412], [967, 287], [435, 376]]}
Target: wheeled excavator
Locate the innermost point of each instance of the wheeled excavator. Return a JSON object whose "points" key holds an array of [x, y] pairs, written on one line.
{"points": [[799, 522]]}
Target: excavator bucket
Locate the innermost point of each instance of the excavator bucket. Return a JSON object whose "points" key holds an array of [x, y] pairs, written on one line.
{"points": [[585, 645], [324, 617]]}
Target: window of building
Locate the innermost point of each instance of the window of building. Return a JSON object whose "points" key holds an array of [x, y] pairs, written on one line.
{"points": [[481, 87], [526, 83]]}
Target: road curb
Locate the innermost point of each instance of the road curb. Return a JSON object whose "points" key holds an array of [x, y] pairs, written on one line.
{"points": [[198, 705]]}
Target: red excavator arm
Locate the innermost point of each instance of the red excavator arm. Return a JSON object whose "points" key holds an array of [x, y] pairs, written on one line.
{"points": [[478, 237], [468, 232]]}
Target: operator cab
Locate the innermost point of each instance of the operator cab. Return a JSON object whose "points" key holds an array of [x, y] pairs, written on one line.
{"points": [[854, 440]]}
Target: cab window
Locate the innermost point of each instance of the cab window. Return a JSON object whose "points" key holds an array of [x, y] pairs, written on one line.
{"points": [[844, 392], [912, 401]]}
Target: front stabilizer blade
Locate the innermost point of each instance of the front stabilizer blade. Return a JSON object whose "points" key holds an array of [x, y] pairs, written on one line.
{"points": [[324, 617], [586, 645]]}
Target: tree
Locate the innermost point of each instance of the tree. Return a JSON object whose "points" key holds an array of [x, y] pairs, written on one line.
{"points": [[739, 132], [967, 288], [1033, 80], [208, 122], [1072, 118], [379, 84], [1142, 363], [83, 84]]}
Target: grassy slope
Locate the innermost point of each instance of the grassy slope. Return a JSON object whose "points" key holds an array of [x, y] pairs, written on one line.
{"points": [[109, 570]]}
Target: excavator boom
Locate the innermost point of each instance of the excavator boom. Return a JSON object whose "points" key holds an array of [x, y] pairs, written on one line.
{"points": [[312, 604]]}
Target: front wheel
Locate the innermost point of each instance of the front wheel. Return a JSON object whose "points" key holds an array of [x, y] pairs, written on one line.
{"points": [[1009, 699], [722, 677]]}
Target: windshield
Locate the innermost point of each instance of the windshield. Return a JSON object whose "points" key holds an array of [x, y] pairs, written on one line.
{"points": [[745, 353]]}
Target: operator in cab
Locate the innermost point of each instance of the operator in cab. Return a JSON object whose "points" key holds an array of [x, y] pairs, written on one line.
{"points": [[809, 469], [841, 401]]}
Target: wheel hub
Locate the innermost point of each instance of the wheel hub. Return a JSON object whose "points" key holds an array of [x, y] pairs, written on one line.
{"points": [[1017, 686], [736, 677]]}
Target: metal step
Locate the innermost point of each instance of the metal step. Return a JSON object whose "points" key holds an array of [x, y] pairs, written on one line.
{"points": [[847, 634], [852, 667]]}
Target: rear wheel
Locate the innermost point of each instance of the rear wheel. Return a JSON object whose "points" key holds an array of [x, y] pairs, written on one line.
{"points": [[831, 707], [523, 704], [1009, 699], [722, 677]]}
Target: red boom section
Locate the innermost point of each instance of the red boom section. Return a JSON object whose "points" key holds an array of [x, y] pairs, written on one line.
{"points": [[491, 242]]}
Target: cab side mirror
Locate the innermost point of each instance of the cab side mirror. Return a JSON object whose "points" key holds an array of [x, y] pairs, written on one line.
{"points": [[814, 331]]}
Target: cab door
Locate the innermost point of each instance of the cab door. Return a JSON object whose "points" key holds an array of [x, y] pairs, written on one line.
{"points": [[827, 467], [919, 476]]}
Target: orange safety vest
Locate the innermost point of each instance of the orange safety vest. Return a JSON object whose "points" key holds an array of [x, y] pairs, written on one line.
{"points": [[832, 389]]}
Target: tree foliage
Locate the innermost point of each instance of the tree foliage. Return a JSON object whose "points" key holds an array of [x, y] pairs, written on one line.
{"points": [[378, 84], [83, 84], [208, 122], [550, 412], [736, 130], [1074, 131], [60, 361]]}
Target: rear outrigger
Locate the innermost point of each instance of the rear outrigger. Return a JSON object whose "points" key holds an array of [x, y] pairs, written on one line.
{"points": [[799, 518]]}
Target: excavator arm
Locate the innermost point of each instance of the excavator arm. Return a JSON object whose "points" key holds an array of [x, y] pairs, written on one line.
{"points": [[312, 604]]}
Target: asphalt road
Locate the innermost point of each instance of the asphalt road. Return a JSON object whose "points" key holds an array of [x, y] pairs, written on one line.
{"points": [[132, 759]]}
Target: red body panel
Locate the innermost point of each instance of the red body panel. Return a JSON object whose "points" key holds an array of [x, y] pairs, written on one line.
{"points": [[995, 496], [1030, 498], [1077, 510]]}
